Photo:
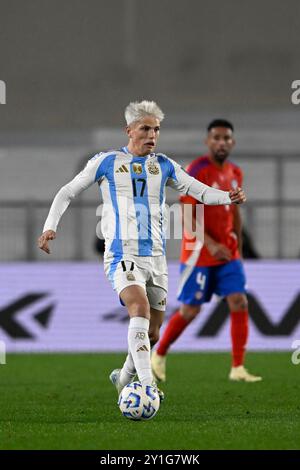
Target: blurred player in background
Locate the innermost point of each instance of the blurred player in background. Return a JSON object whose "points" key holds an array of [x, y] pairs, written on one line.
{"points": [[133, 180], [216, 266]]}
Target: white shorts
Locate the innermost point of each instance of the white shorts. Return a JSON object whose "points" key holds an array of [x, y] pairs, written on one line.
{"points": [[149, 272]]}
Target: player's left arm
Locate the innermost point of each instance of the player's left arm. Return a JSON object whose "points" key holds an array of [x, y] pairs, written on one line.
{"points": [[186, 184]]}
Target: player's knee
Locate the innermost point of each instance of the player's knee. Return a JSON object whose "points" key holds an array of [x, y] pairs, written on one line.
{"points": [[189, 312], [140, 309], [238, 302]]}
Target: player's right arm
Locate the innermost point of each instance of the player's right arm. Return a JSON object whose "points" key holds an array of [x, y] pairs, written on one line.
{"points": [[93, 171], [216, 249]]}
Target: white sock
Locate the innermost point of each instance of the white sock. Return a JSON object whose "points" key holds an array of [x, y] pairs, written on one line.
{"points": [[128, 371], [139, 346]]}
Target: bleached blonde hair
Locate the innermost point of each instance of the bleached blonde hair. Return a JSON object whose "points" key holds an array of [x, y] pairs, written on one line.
{"points": [[137, 110]]}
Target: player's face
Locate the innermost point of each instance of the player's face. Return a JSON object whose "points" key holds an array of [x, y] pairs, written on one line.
{"points": [[220, 142], [143, 135]]}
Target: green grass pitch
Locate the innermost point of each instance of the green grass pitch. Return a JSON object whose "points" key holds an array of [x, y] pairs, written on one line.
{"points": [[65, 401]]}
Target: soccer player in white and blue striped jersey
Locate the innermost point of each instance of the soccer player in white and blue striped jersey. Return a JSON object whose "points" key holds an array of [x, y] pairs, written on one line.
{"points": [[133, 181]]}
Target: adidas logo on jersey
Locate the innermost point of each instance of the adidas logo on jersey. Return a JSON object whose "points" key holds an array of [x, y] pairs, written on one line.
{"points": [[143, 348], [122, 169]]}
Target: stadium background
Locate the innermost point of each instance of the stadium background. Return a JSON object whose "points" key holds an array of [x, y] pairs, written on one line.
{"points": [[70, 68]]}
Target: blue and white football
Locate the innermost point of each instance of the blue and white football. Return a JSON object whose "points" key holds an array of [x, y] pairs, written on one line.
{"points": [[137, 402]]}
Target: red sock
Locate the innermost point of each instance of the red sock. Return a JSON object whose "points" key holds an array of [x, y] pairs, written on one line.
{"points": [[239, 336], [174, 329]]}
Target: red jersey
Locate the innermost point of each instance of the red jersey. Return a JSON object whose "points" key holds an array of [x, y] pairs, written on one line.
{"points": [[218, 220]]}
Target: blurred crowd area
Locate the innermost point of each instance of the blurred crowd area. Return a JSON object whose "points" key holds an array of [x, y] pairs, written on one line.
{"points": [[71, 67], [75, 65]]}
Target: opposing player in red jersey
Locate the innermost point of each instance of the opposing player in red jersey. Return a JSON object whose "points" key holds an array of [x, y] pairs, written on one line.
{"points": [[216, 267]]}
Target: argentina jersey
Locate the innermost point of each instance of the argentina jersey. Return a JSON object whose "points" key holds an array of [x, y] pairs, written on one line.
{"points": [[133, 192]]}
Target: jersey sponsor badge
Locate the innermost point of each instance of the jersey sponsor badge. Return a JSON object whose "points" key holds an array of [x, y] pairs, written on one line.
{"points": [[137, 168]]}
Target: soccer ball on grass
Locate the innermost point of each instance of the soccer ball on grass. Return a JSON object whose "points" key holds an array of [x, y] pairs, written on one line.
{"points": [[137, 402]]}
